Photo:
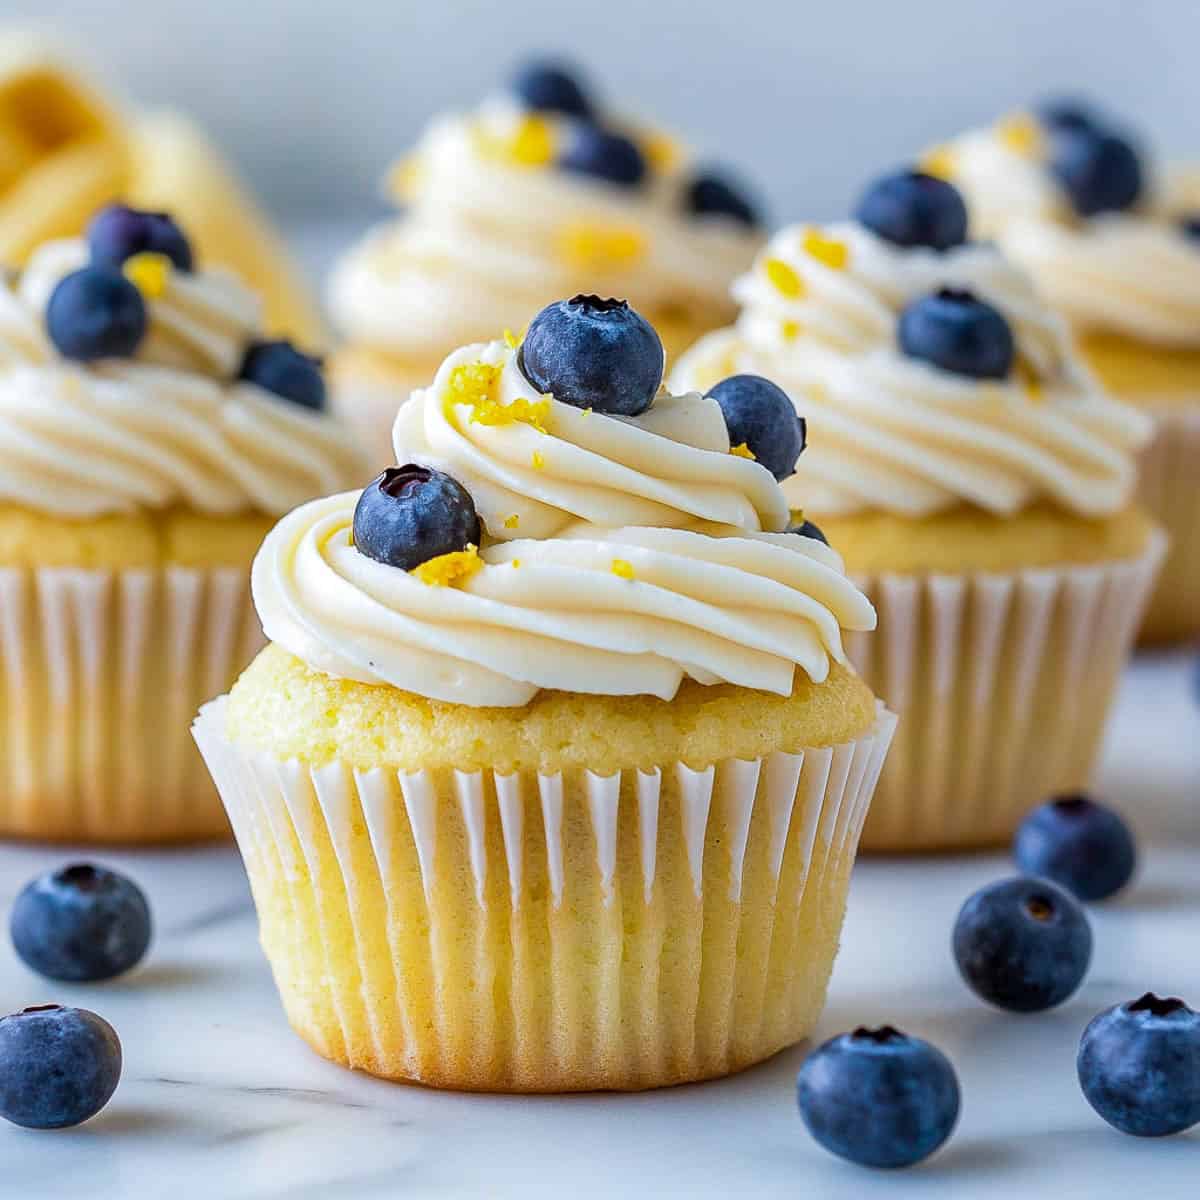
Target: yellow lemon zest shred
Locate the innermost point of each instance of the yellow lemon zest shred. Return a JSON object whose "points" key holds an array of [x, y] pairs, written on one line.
{"points": [[516, 562], [589, 245], [941, 162], [471, 384], [622, 568], [512, 522], [446, 570], [1021, 134], [833, 253], [148, 272], [743, 451], [790, 330], [662, 151], [784, 278], [538, 460]]}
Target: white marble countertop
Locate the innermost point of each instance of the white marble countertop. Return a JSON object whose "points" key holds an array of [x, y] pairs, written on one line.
{"points": [[220, 1101]]}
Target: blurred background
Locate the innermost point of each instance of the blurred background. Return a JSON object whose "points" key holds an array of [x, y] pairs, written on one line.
{"points": [[313, 99]]}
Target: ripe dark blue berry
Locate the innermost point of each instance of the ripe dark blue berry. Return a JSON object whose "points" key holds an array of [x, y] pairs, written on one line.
{"points": [[117, 233], [96, 313], [58, 1066], [958, 332], [282, 369], [759, 415], [878, 1097], [810, 530], [911, 208], [1099, 170], [602, 154], [1191, 226], [1022, 944], [594, 353], [711, 193], [1079, 844], [411, 514], [1067, 113], [551, 87], [81, 924], [1139, 1066]]}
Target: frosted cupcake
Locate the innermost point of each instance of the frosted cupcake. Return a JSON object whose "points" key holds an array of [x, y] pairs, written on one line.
{"points": [[1114, 244], [979, 484], [148, 440], [534, 195], [553, 775]]}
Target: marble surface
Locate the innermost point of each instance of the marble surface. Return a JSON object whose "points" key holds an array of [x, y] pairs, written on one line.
{"points": [[220, 1101]]}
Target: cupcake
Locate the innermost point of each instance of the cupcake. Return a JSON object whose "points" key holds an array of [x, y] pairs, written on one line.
{"points": [[552, 775], [1113, 242], [67, 148], [978, 483], [149, 439], [536, 194]]}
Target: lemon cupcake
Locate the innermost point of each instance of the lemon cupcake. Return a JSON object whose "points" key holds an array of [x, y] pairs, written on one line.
{"points": [[1114, 244], [553, 775], [534, 195], [978, 483], [149, 438]]}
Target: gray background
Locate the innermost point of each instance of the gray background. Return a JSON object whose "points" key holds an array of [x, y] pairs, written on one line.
{"points": [[313, 99]]}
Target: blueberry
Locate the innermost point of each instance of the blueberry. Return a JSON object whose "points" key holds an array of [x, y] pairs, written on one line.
{"points": [[280, 368], [1079, 844], [594, 353], [117, 233], [96, 313], [411, 514], [759, 415], [1099, 170], [591, 150], [911, 208], [710, 192], [58, 1066], [878, 1097], [1191, 226], [81, 924], [1022, 944], [551, 87], [955, 331], [1065, 112], [1139, 1066], [809, 530]]}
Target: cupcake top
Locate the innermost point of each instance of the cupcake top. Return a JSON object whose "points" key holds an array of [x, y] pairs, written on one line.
{"points": [[538, 194], [559, 522], [932, 370], [132, 377], [1112, 241]]}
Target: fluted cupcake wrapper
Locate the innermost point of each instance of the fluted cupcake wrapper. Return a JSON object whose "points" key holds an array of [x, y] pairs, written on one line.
{"points": [[102, 671], [1002, 683], [531, 932]]}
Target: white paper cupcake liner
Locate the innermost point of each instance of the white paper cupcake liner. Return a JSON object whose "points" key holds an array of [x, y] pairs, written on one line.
{"points": [[102, 673], [1002, 683], [531, 932]]}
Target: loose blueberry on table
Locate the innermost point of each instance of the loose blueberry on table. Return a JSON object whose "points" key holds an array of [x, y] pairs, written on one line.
{"points": [[96, 313], [594, 353], [957, 332], [58, 1066], [911, 208], [551, 87], [1139, 1066], [117, 233], [278, 367], [878, 1097], [759, 416], [603, 154], [1079, 844], [711, 193], [1022, 944], [81, 924]]}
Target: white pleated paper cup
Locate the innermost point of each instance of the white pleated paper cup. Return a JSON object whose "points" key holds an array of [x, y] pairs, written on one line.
{"points": [[548, 933], [1002, 683], [102, 673]]}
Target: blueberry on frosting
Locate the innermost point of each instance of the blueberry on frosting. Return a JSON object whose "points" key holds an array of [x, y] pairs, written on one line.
{"points": [[1066, 112], [956, 331], [911, 208], [1098, 169], [1191, 226], [117, 233], [713, 193], [96, 313], [808, 529], [761, 418], [603, 154], [412, 514], [594, 353], [278, 367], [551, 87]]}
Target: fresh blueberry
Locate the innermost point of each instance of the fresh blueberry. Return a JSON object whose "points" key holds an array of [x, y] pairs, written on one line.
{"points": [[118, 233], [1139, 1066], [1022, 944], [1191, 226], [594, 353], [81, 924], [591, 150], [1066, 112], [711, 192], [808, 529], [411, 514], [878, 1097], [1099, 170], [96, 313], [958, 332], [1079, 844], [58, 1066], [551, 87], [280, 368], [759, 415], [911, 208]]}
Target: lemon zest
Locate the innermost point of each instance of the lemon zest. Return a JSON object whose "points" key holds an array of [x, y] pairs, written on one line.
{"points": [[512, 522], [516, 562], [784, 278], [538, 460], [622, 568], [662, 151], [790, 330], [743, 451], [590, 246], [446, 570], [471, 384], [404, 179], [531, 143], [1021, 134], [148, 272], [833, 253], [941, 162]]}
